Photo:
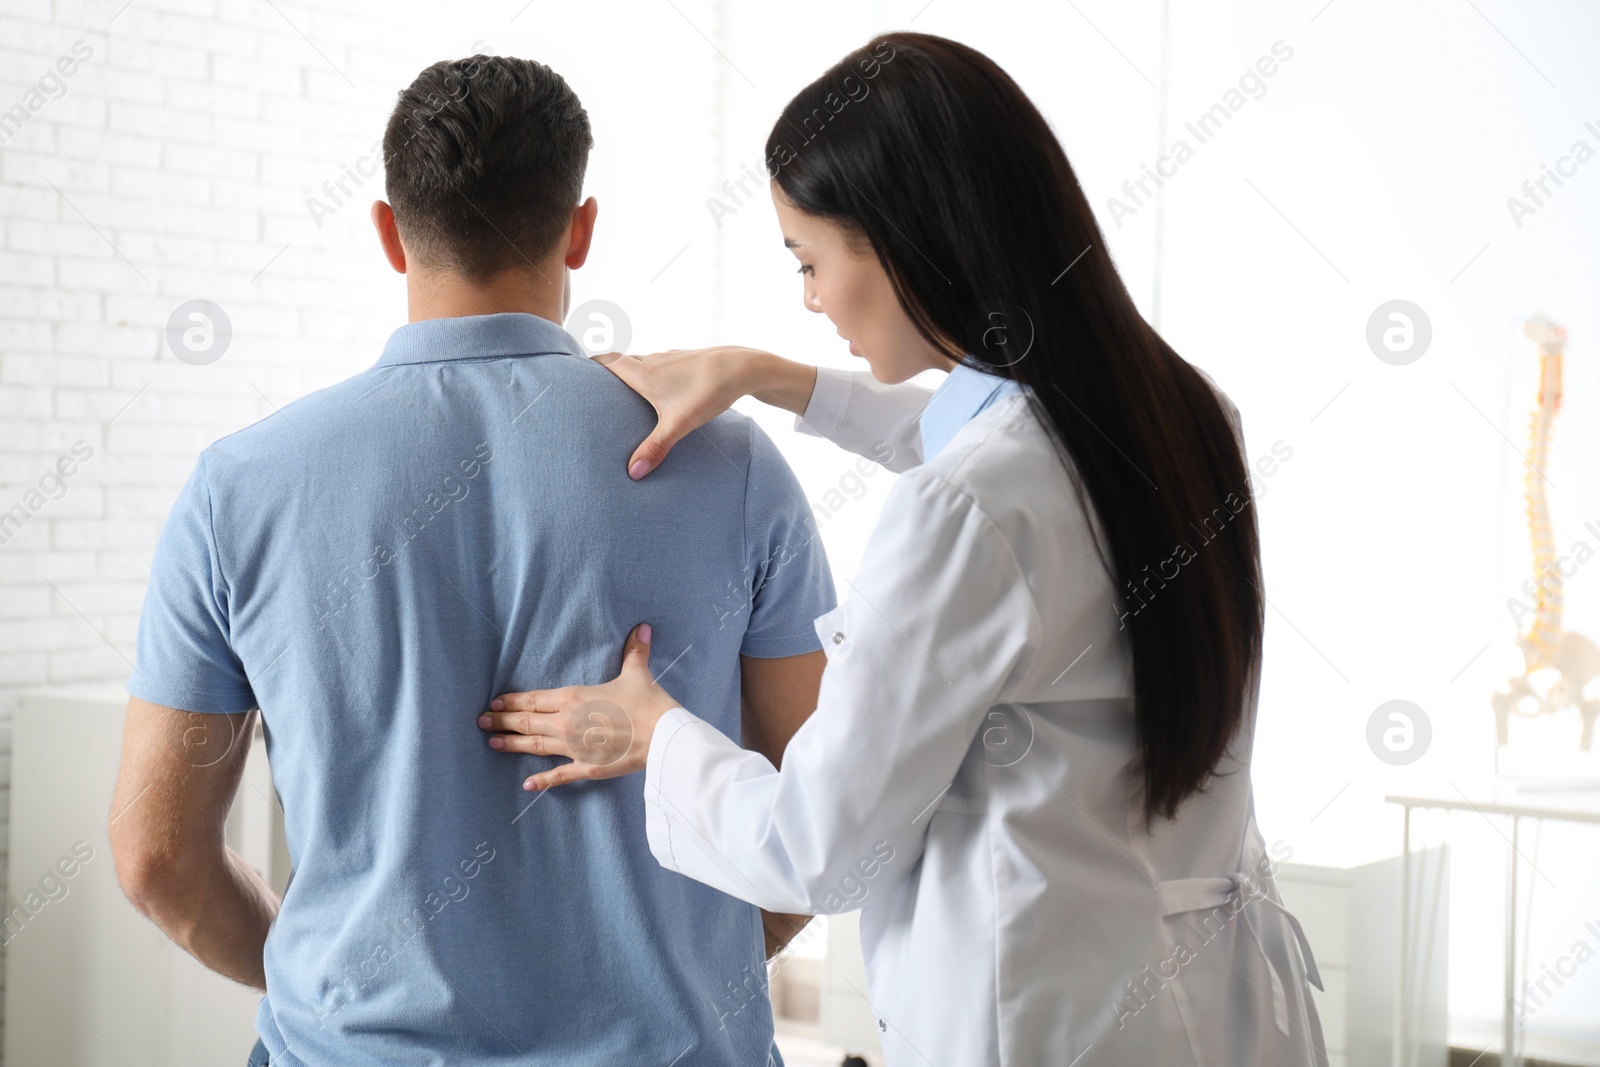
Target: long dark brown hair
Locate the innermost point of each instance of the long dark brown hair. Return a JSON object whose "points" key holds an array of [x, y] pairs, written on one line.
{"points": [[928, 150]]}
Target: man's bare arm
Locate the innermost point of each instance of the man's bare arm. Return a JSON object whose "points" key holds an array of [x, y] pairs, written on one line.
{"points": [[779, 695], [180, 771]]}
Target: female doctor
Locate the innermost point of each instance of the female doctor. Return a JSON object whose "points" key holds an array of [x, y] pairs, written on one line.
{"points": [[1032, 741]]}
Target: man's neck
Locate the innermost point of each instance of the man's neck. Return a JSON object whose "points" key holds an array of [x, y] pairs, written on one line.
{"points": [[534, 290]]}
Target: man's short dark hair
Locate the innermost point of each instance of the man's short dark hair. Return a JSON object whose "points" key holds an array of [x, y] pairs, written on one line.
{"points": [[484, 161]]}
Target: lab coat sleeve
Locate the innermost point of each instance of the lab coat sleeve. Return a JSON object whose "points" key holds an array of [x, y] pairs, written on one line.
{"points": [[862, 415], [939, 619]]}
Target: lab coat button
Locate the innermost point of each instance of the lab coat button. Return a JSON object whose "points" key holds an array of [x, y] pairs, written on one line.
{"points": [[883, 1027], [838, 637]]}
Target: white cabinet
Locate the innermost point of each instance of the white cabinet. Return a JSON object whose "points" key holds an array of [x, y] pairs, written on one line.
{"points": [[89, 981], [1351, 917]]}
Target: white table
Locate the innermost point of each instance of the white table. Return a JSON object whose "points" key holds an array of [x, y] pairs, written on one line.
{"points": [[1489, 800]]}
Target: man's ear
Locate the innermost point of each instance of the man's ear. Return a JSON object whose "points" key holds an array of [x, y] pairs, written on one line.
{"points": [[580, 233], [389, 235]]}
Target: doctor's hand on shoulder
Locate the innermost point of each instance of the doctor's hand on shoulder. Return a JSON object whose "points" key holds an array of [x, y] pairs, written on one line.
{"points": [[605, 730], [689, 387]]}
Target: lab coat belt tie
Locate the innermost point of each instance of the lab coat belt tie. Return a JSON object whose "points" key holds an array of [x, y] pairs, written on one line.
{"points": [[1180, 895]]}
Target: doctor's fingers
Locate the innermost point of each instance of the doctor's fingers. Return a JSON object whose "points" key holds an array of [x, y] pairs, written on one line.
{"points": [[546, 701], [679, 410], [534, 745], [567, 772], [529, 722]]}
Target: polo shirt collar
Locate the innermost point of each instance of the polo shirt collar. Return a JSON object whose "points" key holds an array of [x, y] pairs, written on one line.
{"points": [[959, 398], [511, 333]]}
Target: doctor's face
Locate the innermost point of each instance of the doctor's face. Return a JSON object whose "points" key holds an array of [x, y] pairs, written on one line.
{"points": [[844, 281]]}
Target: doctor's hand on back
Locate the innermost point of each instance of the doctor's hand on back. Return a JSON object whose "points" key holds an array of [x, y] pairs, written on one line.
{"points": [[605, 730]]}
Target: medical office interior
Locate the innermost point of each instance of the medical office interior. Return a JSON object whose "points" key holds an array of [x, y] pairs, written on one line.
{"points": [[1376, 225]]}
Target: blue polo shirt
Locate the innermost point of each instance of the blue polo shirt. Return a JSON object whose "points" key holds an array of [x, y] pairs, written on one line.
{"points": [[370, 566]]}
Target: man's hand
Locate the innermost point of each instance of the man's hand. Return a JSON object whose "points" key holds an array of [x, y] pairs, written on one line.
{"points": [[180, 771]]}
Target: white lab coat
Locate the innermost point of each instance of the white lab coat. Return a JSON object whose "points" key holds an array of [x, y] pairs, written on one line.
{"points": [[969, 782]]}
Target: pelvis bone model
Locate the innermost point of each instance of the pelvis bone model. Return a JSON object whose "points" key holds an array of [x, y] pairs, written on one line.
{"points": [[1546, 647]]}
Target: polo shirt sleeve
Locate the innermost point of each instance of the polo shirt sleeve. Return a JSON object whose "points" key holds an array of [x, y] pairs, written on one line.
{"points": [[789, 582], [185, 657]]}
